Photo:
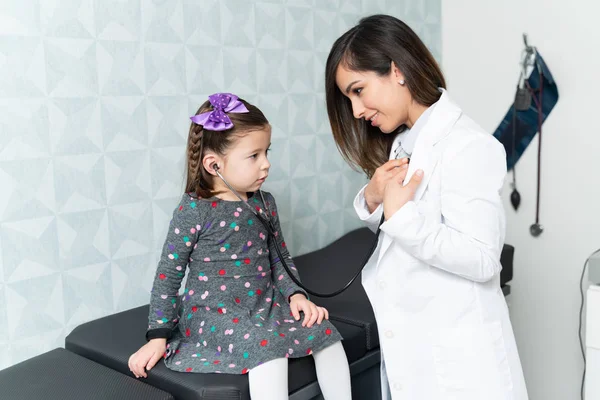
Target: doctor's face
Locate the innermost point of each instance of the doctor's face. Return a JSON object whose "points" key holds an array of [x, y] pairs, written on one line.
{"points": [[381, 100]]}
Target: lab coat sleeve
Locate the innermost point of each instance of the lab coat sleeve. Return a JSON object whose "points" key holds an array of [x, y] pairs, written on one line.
{"points": [[468, 240], [362, 210]]}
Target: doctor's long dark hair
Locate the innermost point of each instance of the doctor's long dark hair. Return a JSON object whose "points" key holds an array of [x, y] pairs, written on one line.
{"points": [[371, 46]]}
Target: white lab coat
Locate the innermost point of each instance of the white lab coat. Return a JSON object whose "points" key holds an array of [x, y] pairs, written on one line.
{"points": [[434, 279]]}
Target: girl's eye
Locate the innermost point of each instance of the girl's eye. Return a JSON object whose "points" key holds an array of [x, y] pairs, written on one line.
{"points": [[256, 154]]}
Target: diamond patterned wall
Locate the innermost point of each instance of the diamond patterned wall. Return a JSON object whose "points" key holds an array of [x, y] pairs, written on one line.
{"points": [[94, 103]]}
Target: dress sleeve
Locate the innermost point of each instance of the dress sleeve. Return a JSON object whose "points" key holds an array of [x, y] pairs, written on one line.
{"points": [[182, 238]]}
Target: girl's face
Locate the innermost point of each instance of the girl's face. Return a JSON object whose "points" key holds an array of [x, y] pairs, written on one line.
{"points": [[381, 100], [245, 165]]}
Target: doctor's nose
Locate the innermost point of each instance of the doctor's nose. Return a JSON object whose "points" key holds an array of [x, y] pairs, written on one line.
{"points": [[358, 110]]}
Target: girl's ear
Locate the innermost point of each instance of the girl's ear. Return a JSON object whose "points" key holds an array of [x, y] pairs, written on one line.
{"points": [[210, 162]]}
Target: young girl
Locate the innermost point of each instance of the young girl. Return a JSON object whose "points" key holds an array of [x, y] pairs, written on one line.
{"points": [[241, 311]]}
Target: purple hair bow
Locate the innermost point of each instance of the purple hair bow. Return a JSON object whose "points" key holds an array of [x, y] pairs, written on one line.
{"points": [[217, 119]]}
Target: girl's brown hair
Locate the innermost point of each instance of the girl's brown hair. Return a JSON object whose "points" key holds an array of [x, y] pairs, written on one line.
{"points": [[201, 141], [372, 45]]}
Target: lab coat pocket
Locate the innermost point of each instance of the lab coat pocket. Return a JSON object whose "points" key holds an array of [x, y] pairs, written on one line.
{"points": [[471, 363]]}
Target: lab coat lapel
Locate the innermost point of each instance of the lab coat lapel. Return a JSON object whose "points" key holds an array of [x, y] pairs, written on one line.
{"points": [[425, 155]]}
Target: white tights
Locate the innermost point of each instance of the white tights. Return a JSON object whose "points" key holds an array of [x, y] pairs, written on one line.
{"points": [[269, 380]]}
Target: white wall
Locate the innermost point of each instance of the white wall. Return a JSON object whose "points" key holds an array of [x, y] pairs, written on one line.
{"points": [[481, 48]]}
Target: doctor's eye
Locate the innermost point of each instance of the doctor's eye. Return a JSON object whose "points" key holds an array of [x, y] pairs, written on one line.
{"points": [[357, 91]]}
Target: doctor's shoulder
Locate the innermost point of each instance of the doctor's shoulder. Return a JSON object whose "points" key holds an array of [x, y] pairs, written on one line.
{"points": [[467, 139]]}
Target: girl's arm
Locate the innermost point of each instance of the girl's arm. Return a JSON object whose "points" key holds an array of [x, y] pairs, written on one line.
{"points": [[280, 276], [181, 240]]}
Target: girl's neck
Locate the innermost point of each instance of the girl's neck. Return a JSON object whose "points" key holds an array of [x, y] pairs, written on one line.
{"points": [[228, 196], [225, 194]]}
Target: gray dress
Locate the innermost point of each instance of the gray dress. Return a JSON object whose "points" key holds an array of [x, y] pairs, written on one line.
{"points": [[234, 314]]}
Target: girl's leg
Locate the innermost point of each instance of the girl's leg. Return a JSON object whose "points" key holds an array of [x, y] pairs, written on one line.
{"points": [[333, 372], [269, 381]]}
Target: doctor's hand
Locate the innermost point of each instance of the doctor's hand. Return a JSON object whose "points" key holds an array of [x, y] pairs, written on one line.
{"points": [[393, 169], [396, 195]]}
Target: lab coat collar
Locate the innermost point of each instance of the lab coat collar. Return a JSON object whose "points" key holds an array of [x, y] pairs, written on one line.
{"points": [[442, 119], [426, 155], [439, 124]]}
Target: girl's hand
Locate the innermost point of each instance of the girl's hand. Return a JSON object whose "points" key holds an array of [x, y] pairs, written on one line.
{"points": [[396, 195], [393, 169], [146, 357], [312, 313]]}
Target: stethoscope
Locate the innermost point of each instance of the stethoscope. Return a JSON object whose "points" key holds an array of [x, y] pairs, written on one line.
{"points": [[264, 219]]}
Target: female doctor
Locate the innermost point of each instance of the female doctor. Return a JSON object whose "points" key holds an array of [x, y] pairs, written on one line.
{"points": [[434, 278]]}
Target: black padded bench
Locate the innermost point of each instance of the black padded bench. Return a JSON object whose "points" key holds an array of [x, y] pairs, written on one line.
{"points": [[111, 340], [62, 375]]}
